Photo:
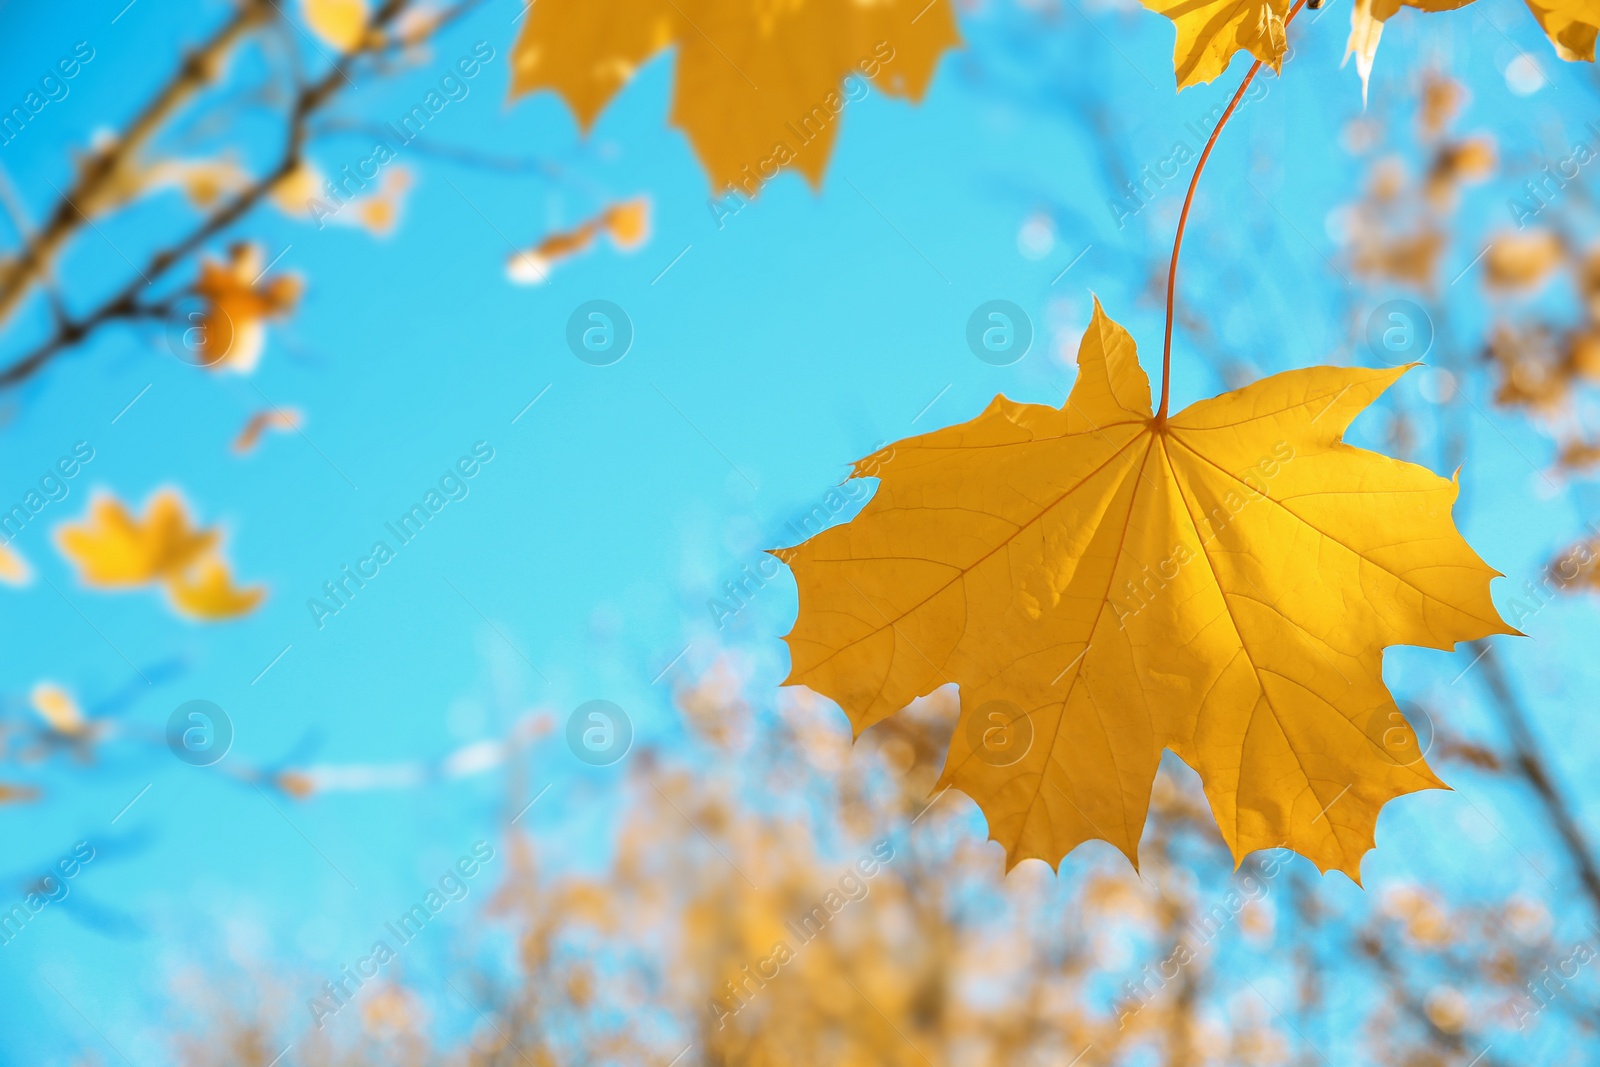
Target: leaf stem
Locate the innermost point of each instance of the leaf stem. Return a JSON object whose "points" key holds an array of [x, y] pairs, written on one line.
{"points": [[1183, 219]]}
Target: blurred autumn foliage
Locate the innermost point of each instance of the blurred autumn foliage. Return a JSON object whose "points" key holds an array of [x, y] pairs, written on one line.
{"points": [[779, 897]]}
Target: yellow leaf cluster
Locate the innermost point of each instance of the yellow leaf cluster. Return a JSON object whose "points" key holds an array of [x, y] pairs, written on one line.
{"points": [[1211, 32]]}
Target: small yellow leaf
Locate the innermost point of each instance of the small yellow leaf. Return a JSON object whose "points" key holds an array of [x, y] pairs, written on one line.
{"points": [[379, 212], [295, 193], [57, 708], [230, 334], [628, 223], [1522, 260], [1211, 31], [14, 570], [341, 23], [1102, 585], [207, 592]]}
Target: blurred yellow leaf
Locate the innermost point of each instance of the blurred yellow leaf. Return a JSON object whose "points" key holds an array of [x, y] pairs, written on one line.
{"points": [[1521, 260], [295, 192], [57, 708], [341, 23], [379, 212], [628, 223], [17, 794], [260, 423], [760, 85], [207, 592], [203, 181], [231, 332], [1211, 31], [14, 570], [1103, 584], [113, 549]]}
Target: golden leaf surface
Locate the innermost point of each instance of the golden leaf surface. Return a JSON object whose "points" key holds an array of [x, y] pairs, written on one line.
{"points": [[1211, 31], [1102, 586], [760, 84]]}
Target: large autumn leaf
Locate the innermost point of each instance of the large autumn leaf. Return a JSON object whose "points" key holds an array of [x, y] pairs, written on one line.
{"points": [[760, 83], [1103, 585]]}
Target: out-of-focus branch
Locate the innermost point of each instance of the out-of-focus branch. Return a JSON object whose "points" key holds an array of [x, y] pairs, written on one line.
{"points": [[1529, 761], [196, 72], [1392, 973], [198, 69], [466, 157]]}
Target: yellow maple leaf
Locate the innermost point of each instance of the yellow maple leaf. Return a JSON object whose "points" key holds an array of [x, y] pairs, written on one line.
{"points": [[761, 84], [1211, 31], [1103, 584], [114, 549], [207, 592]]}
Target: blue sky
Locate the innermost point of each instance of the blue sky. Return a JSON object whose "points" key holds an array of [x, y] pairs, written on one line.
{"points": [[770, 351]]}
